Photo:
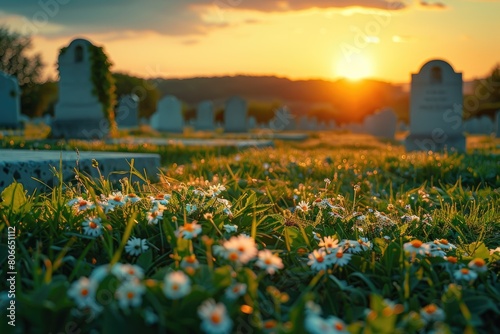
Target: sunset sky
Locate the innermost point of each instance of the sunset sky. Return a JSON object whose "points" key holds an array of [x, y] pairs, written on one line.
{"points": [[325, 39]]}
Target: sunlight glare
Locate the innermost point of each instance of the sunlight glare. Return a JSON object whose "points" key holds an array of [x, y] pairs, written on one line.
{"points": [[354, 68]]}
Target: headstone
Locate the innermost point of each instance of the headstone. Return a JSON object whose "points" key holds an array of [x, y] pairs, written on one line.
{"points": [[168, 116], [205, 119], [78, 112], [498, 123], [436, 109], [402, 126], [127, 112], [382, 124], [252, 123], [9, 102], [47, 119], [312, 124], [235, 115], [332, 125], [354, 127]]}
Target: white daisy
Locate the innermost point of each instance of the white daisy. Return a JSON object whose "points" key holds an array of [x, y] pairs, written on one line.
{"points": [[116, 199], [340, 258], [92, 226], [83, 292], [80, 204], [176, 285], [318, 260], [302, 206], [465, 274], [329, 243], [126, 271], [235, 290], [478, 265], [154, 215], [188, 230], [162, 199], [214, 318], [240, 248], [130, 293], [365, 244], [136, 246], [432, 313], [217, 189], [269, 261], [417, 247], [190, 261], [190, 208], [350, 246], [444, 244], [132, 198]]}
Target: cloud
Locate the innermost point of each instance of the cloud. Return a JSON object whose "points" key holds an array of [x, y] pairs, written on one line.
{"points": [[173, 17], [433, 5]]}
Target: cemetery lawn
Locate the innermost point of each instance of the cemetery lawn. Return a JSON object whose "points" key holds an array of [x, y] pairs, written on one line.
{"points": [[338, 234]]}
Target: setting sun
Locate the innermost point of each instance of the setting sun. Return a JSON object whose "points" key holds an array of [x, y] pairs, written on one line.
{"points": [[355, 67]]}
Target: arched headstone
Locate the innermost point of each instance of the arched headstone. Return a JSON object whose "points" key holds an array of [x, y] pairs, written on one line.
{"points": [[127, 112], [168, 116], [205, 119], [235, 115], [381, 124], [436, 109], [78, 112], [9, 102]]}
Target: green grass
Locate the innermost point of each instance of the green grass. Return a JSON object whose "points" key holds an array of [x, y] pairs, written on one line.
{"points": [[375, 191]]}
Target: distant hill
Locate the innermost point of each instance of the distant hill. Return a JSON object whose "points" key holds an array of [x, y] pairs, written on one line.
{"points": [[342, 100]]}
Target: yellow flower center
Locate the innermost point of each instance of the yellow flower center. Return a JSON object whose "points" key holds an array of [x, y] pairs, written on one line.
{"points": [[430, 309], [92, 225], [215, 318], [339, 255], [320, 259], [175, 286], [338, 326], [117, 198], [268, 261], [416, 243], [443, 241], [464, 271], [82, 203], [452, 259], [233, 256], [479, 262], [130, 295], [84, 292]]}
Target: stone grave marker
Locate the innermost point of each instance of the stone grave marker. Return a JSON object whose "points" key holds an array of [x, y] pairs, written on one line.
{"points": [[127, 112], [10, 94], [205, 117], [235, 115], [168, 116], [381, 124], [436, 109], [78, 112]]}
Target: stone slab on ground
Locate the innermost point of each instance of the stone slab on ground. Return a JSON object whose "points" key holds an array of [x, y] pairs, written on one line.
{"points": [[24, 165], [238, 143]]}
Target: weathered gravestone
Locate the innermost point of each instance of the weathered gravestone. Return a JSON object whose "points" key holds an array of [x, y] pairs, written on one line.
{"points": [[127, 112], [382, 124], [168, 116], [436, 109], [10, 114], [79, 112], [497, 117], [252, 123], [205, 119], [479, 126], [235, 115]]}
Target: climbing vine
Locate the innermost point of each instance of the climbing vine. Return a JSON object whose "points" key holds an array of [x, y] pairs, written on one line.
{"points": [[103, 82]]}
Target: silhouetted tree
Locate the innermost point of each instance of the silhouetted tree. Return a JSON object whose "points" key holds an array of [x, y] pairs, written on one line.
{"points": [[16, 61]]}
